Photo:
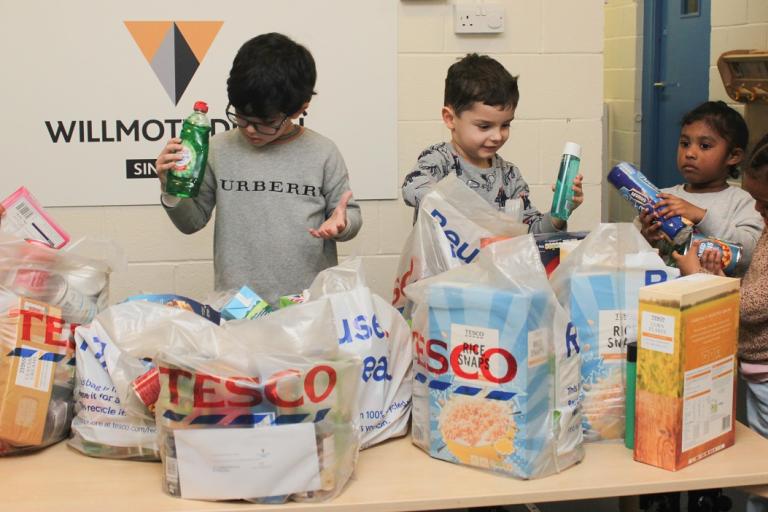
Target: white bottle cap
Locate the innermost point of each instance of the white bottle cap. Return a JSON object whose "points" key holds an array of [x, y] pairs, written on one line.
{"points": [[571, 148]]}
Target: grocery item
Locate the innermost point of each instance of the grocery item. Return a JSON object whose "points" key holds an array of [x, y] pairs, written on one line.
{"points": [[686, 370], [730, 253], [562, 199], [26, 218], [180, 302], [185, 178], [629, 431], [33, 344], [245, 303], [496, 366], [638, 190], [598, 284]]}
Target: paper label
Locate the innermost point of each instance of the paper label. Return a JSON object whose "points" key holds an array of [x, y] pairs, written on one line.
{"points": [[617, 327], [33, 372], [707, 402], [658, 332], [537, 347], [472, 343], [239, 463]]}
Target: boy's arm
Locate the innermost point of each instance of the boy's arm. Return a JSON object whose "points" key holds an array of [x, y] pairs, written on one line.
{"points": [[192, 214], [537, 222], [336, 183], [433, 164]]}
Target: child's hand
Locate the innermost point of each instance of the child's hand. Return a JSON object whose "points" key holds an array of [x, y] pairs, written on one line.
{"points": [[690, 263], [168, 158], [578, 191], [336, 223], [670, 205], [651, 228]]}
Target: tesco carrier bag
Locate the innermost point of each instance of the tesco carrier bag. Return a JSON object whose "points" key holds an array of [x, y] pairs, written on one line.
{"points": [[368, 327], [598, 284], [496, 366], [451, 223]]}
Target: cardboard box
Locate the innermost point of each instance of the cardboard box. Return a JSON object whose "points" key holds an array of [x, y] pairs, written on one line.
{"points": [[686, 370], [31, 346]]}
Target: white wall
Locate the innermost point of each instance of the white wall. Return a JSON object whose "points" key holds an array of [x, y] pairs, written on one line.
{"points": [[556, 46]]}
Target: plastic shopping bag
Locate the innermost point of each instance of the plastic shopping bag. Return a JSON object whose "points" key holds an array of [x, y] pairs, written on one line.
{"points": [[117, 382], [368, 327], [276, 391], [598, 284], [452, 221], [496, 366]]}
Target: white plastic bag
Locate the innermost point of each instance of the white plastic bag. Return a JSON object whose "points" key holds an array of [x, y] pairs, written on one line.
{"points": [[276, 390], [452, 221], [496, 366], [370, 328], [598, 284], [114, 378]]}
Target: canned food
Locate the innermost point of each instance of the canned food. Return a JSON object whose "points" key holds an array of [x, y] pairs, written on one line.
{"points": [[638, 190], [730, 253]]}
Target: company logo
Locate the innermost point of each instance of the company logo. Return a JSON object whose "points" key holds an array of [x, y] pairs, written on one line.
{"points": [[174, 49]]}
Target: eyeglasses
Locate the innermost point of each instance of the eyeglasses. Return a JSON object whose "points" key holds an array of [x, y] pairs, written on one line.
{"points": [[262, 128]]}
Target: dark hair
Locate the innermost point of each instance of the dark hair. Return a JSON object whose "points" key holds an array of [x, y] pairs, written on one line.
{"points": [[479, 78], [757, 165], [271, 75], [726, 122]]}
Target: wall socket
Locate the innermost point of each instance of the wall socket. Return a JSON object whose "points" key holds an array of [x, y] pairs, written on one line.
{"points": [[478, 18]]}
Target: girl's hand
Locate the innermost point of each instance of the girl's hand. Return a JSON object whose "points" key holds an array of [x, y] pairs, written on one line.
{"points": [[671, 205], [689, 263], [336, 223], [711, 260], [651, 228]]}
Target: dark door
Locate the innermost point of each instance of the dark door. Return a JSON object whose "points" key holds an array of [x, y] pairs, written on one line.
{"points": [[675, 79]]}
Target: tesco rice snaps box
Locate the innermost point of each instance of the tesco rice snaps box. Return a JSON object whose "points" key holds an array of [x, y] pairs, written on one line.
{"points": [[603, 309], [686, 370], [485, 388]]}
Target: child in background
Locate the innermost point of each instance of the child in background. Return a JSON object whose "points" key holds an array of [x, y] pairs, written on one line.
{"points": [[479, 105], [713, 138], [753, 314], [281, 191]]}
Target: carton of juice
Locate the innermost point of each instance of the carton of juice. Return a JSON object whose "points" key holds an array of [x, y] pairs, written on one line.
{"points": [[686, 367]]}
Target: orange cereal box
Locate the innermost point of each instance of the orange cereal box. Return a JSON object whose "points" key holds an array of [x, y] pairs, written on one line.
{"points": [[686, 370]]}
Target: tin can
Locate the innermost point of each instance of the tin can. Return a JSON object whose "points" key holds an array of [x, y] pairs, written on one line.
{"points": [[638, 190], [730, 253]]}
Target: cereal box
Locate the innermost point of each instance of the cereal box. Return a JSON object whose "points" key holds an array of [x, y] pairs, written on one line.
{"points": [[604, 311], [31, 345], [686, 368], [485, 384]]}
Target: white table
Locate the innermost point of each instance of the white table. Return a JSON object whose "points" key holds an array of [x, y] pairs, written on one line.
{"points": [[391, 477]]}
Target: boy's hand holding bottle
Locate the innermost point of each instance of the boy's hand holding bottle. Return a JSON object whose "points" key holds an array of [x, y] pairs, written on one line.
{"points": [[170, 154], [575, 201]]}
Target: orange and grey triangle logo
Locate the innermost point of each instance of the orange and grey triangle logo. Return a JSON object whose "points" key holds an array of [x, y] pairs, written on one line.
{"points": [[174, 49]]}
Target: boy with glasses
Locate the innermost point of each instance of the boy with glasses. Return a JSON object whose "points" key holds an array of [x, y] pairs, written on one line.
{"points": [[281, 191]]}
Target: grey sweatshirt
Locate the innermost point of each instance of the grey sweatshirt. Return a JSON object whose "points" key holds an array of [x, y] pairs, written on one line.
{"points": [[730, 216], [266, 199], [497, 184]]}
